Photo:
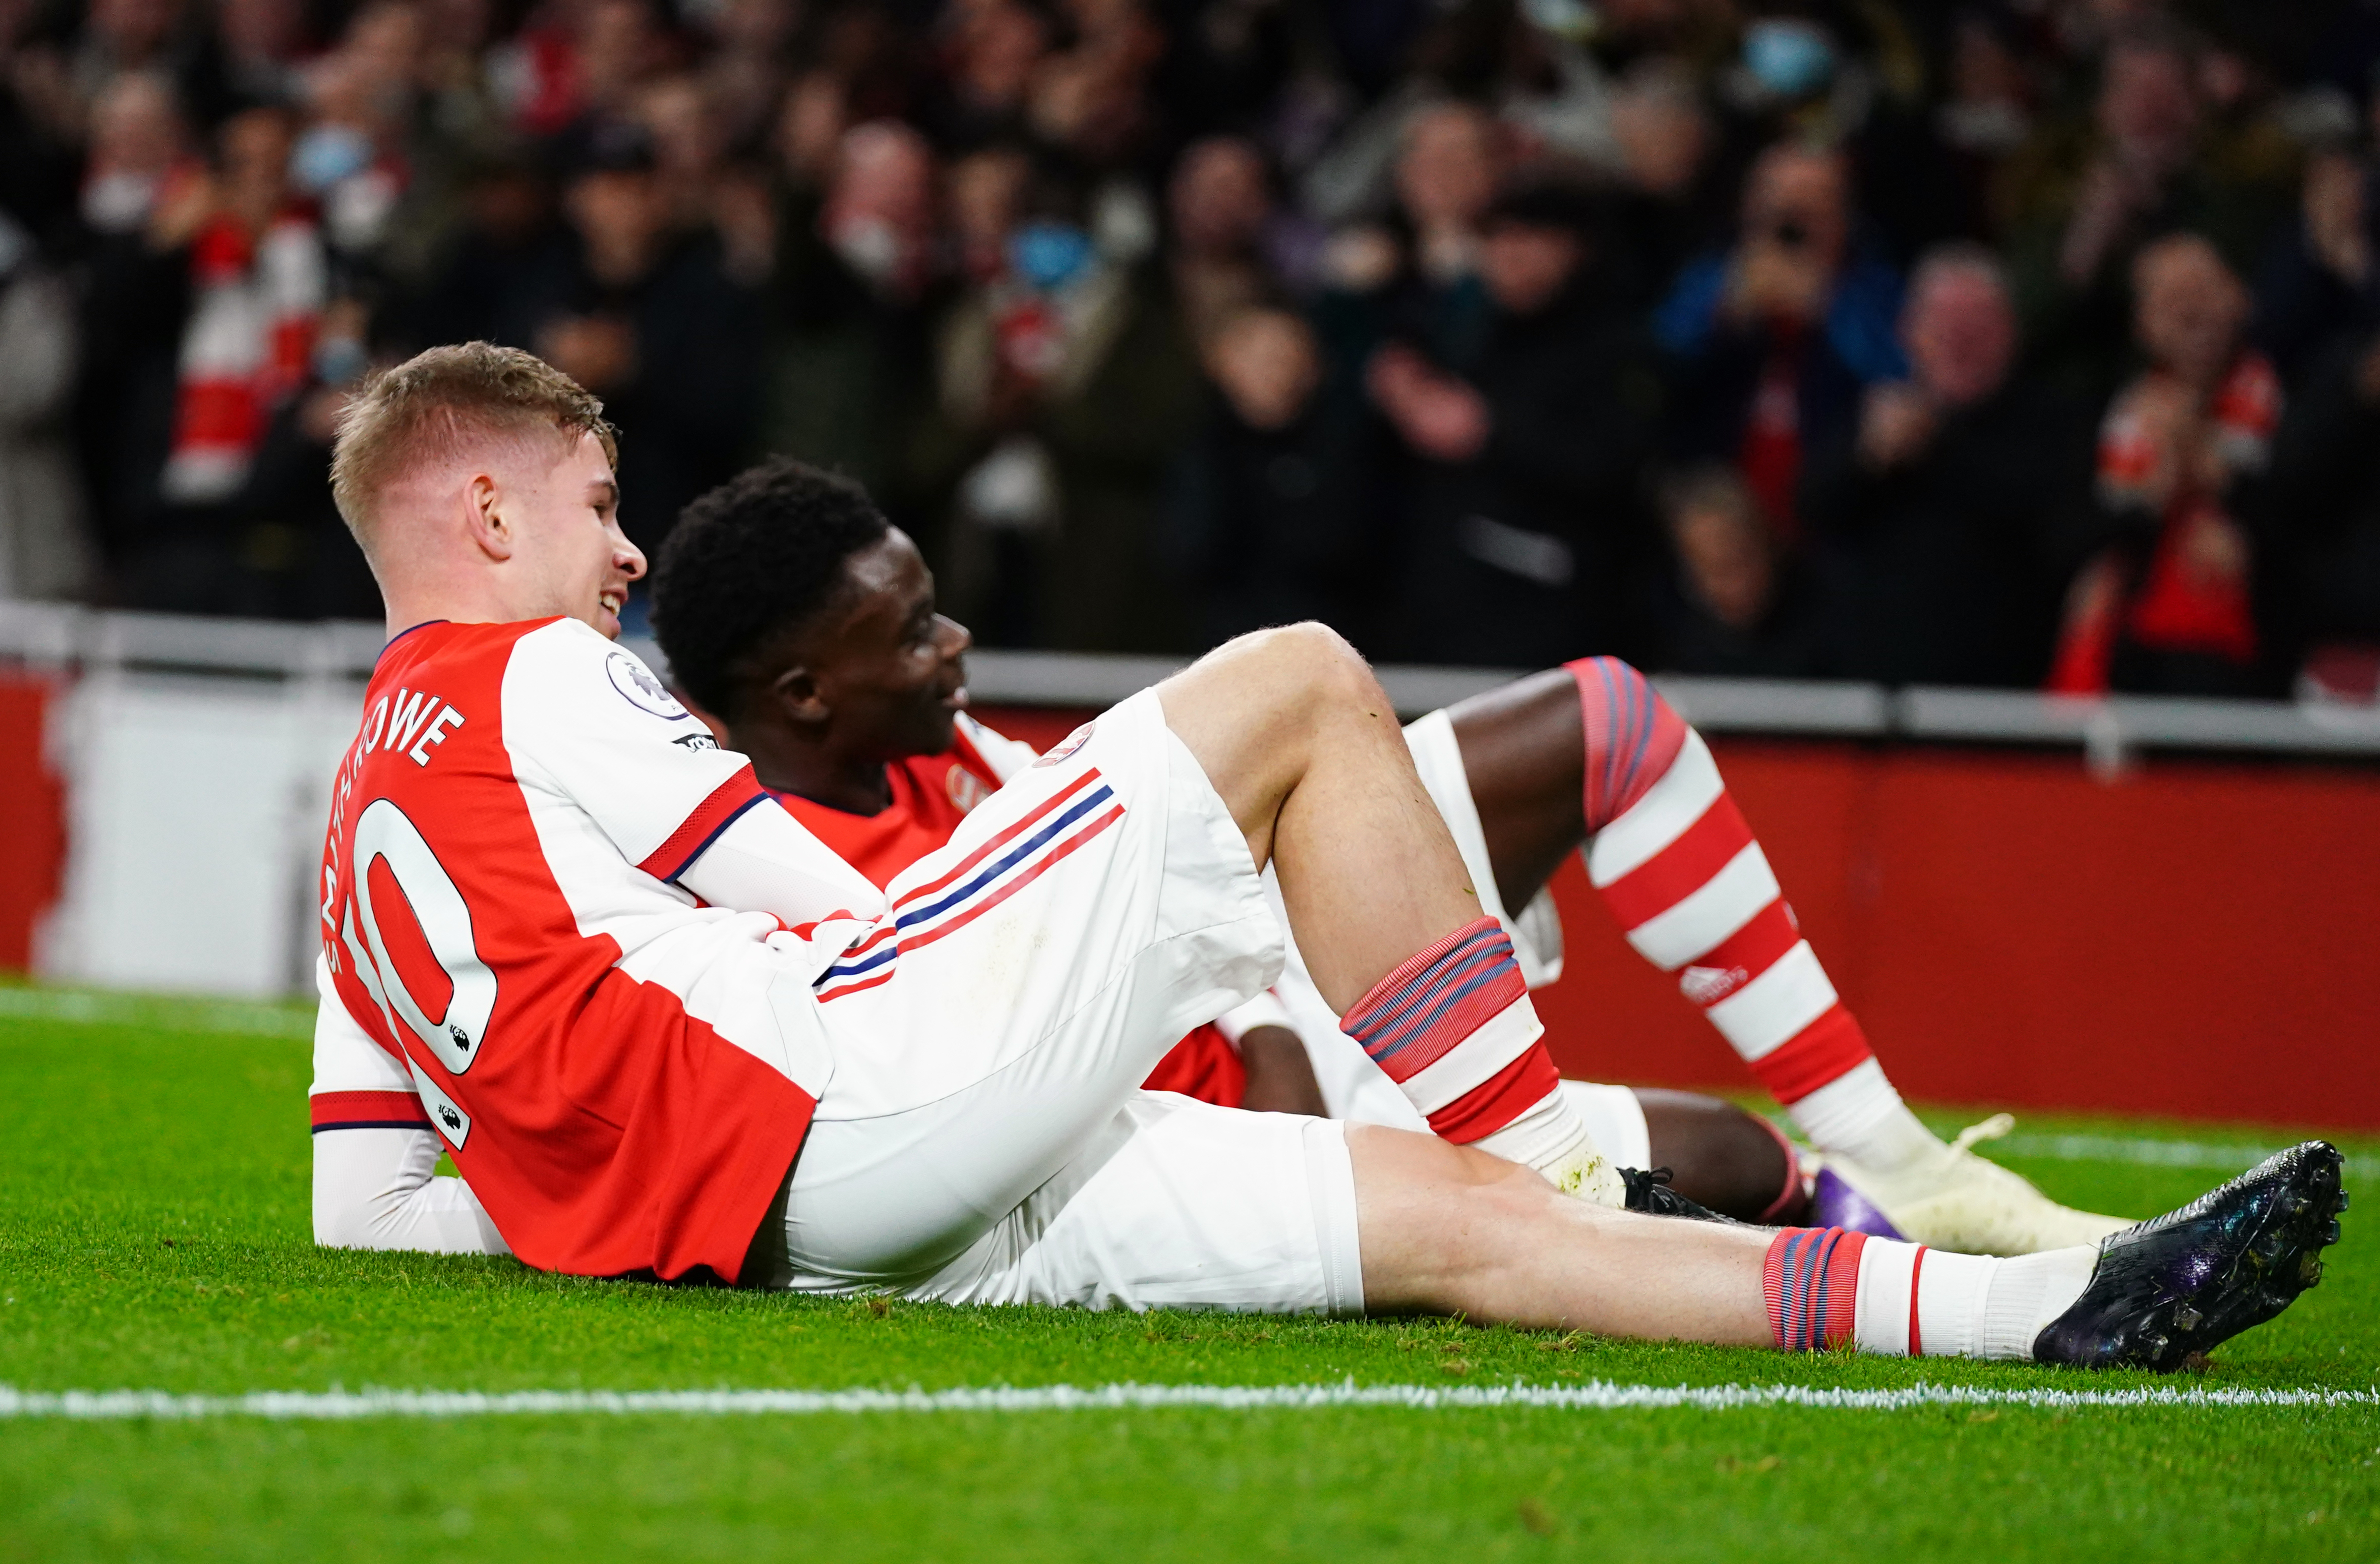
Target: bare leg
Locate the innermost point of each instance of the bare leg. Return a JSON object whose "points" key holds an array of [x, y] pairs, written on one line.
{"points": [[1446, 1229], [1722, 1157], [1280, 1075], [1295, 735], [1523, 750]]}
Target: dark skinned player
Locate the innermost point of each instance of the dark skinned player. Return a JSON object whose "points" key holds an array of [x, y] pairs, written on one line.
{"points": [[805, 625]]}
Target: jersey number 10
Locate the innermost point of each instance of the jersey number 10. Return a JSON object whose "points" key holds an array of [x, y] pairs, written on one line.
{"points": [[385, 832]]}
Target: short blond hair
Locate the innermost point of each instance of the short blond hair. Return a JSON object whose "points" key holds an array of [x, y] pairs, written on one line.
{"points": [[438, 402]]}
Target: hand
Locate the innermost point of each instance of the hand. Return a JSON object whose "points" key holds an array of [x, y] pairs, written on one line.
{"points": [[1280, 1077], [2333, 217], [1439, 416], [1896, 425], [596, 351], [189, 199], [1771, 281], [2112, 191], [2211, 548], [2367, 374], [2162, 417]]}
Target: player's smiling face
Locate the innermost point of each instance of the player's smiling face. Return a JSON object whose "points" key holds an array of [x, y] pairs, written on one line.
{"points": [[578, 561], [889, 672]]}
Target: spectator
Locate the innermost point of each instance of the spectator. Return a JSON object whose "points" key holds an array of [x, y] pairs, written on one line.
{"points": [[645, 316], [993, 48], [44, 552], [1774, 339], [2169, 604], [856, 288], [2326, 505], [1942, 524], [1735, 607], [201, 332], [1220, 202], [138, 148], [1670, 206], [2318, 281], [486, 280], [1268, 513], [1524, 448], [2084, 206], [1067, 386]]}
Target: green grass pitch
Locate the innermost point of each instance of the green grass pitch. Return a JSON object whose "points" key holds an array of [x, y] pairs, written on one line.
{"points": [[153, 1236]]}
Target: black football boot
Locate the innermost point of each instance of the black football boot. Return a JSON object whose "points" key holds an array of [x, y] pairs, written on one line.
{"points": [[1651, 1193], [2166, 1291]]}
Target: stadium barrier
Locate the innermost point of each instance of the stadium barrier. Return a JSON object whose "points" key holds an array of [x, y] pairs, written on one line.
{"points": [[2134, 904]]}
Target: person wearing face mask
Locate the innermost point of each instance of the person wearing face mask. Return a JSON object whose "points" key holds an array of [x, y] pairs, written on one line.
{"points": [[1940, 520], [1066, 385]]}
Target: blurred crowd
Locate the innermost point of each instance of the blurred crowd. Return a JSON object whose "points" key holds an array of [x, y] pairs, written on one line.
{"points": [[2022, 343]]}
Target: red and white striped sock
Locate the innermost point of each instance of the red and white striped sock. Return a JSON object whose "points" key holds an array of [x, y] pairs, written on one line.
{"points": [[1680, 870], [1453, 1027], [1826, 1286]]}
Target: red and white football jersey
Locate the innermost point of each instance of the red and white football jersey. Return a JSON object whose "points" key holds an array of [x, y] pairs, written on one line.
{"points": [[932, 794], [621, 1074]]}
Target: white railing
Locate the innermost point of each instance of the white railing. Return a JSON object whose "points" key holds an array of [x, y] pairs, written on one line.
{"points": [[46, 635], [197, 753]]}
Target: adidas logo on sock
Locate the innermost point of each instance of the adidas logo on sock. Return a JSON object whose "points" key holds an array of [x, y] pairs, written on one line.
{"points": [[1708, 985]]}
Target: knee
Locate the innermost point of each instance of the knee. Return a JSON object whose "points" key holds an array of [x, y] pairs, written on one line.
{"points": [[1316, 667], [1631, 735]]}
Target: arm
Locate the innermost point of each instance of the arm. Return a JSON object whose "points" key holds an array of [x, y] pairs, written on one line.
{"points": [[374, 1150], [373, 1190], [1281, 1076]]}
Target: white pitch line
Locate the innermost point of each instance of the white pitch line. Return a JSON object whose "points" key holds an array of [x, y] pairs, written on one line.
{"points": [[1594, 1396], [2221, 1158]]}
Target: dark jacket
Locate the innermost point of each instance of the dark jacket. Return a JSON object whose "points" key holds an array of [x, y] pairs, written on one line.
{"points": [[1521, 557], [1947, 569]]}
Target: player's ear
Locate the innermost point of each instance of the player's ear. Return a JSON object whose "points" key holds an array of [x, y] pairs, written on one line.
{"points": [[485, 517], [797, 696]]}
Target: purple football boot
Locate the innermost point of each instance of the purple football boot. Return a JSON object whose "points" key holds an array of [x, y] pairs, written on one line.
{"points": [[2164, 1292], [1835, 1204]]}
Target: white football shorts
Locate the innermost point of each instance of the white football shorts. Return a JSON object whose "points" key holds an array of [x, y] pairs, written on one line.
{"points": [[982, 1136]]}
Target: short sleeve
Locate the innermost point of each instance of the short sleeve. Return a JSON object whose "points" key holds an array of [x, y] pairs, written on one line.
{"points": [[589, 721], [358, 1085]]}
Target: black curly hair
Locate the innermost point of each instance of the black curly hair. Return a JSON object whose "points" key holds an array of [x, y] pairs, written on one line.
{"points": [[749, 562]]}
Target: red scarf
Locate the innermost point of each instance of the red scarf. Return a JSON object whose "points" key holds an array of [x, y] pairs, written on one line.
{"points": [[2176, 604], [255, 304]]}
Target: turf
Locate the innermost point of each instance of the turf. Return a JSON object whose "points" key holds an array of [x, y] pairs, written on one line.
{"points": [[154, 1235]]}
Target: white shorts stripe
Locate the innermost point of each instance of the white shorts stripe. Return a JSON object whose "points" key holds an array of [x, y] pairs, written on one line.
{"points": [[1690, 786], [1709, 912], [1505, 1037], [1765, 1014]]}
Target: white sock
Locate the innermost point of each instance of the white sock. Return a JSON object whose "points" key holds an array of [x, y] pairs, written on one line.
{"points": [[1968, 1305], [1553, 1139], [1862, 1117]]}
